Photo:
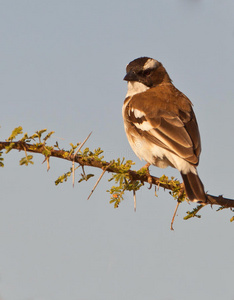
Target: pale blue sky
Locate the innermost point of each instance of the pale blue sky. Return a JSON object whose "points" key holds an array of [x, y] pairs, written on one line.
{"points": [[62, 65]]}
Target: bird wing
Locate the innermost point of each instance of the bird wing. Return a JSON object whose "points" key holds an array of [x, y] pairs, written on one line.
{"points": [[165, 117]]}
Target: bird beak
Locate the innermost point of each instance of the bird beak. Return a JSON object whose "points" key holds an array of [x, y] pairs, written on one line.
{"points": [[131, 76]]}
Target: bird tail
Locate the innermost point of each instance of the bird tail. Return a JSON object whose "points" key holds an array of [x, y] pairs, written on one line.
{"points": [[194, 187]]}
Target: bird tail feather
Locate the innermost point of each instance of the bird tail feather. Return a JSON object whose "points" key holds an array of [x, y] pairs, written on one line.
{"points": [[194, 187]]}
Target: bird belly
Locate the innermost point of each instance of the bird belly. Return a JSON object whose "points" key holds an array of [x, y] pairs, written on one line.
{"points": [[158, 156]]}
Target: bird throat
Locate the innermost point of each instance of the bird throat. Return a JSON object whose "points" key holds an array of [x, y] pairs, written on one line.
{"points": [[135, 87]]}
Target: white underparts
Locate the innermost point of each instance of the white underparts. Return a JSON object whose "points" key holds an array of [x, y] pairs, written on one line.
{"points": [[156, 155], [135, 87]]}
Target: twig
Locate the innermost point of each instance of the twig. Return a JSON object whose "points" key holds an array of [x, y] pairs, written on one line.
{"points": [[173, 218], [73, 162], [155, 191], [48, 163], [26, 155], [134, 197], [99, 180], [47, 159], [82, 144], [84, 172]]}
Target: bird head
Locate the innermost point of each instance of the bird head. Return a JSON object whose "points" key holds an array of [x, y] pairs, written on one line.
{"points": [[146, 71]]}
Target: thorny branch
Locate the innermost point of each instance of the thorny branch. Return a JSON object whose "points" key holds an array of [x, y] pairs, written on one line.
{"points": [[91, 162]]}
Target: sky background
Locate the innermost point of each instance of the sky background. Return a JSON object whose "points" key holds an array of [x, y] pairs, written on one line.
{"points": [[62, 65]]}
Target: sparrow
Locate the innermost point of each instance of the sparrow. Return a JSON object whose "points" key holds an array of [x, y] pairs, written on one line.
{"points": [[160, 123]]}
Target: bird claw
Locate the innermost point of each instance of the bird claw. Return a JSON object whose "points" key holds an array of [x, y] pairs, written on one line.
{"points": [[150, 182], [147, 173]]}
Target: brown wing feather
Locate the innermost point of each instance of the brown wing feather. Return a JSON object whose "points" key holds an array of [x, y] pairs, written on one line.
{"points": [[174, 126]]}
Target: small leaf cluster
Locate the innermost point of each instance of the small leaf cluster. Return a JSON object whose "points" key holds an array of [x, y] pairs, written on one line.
{"points": [[193, 213], [26, 160], [175, 186], [63, 177], [87, 154], [38, 143], [18, 130], [123, 181], [85, 177], [15, 132]]}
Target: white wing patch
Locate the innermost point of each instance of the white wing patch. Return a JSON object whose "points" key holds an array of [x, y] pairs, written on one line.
{"points": [[138, 113], [144, 126]]}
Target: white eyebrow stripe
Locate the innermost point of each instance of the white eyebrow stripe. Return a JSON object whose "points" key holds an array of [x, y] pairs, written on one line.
{"points": [[150, 64]]}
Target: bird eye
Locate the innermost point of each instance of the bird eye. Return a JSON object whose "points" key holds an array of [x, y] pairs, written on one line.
{"points": [[147, 72]]}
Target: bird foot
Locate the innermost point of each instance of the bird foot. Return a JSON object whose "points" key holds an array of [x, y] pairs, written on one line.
{"points": [[149, 177], [182, 191]]}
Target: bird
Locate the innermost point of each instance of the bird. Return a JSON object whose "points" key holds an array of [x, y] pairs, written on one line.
{"points": [[160, 123]]}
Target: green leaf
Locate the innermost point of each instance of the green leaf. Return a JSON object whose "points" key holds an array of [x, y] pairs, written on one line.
{"points": [[15, 132], [25, 138], [38, 134], [193, 213], [73, 148], [85, 177], [123, 181], [63, 177], [56, 145], [48, 136], [26, 160], [10, 147], [220, 208], [47, 151]]}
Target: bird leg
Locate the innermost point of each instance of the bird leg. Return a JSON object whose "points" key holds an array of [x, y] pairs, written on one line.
{"points": [[147, 173]]}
